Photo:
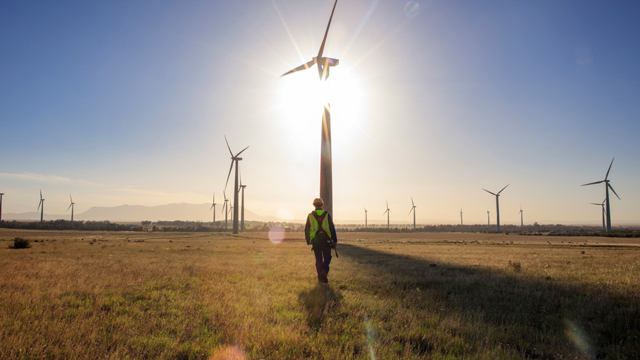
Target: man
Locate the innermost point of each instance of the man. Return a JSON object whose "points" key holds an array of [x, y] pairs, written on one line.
{"points": [[321, 234]]}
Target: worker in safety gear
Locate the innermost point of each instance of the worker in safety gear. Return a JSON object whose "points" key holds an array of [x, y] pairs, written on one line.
{"points": [[321, 234]]}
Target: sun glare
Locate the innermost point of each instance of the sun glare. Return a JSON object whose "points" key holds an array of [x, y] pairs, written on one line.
{"points": [[301, 98]]}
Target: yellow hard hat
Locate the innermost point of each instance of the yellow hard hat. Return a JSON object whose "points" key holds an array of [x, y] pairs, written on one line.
{"points": [[318, 202]]}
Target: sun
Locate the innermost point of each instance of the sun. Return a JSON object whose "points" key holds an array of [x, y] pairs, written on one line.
{"points": [[301, 97]]}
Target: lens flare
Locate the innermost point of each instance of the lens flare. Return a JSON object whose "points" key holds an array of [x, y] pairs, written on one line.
{"points": [[276, 234], [411, 9], [228, 353], [370, 337], [578, 337]]}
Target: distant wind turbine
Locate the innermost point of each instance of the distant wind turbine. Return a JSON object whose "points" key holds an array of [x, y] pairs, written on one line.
{"points": [[213, 206], [72, 206], [607, 187], [365, 218], [460, 216], [604, 228], [413, 208], [242, 187], [225, 208], [488, 218], [326, 177], [521, 217], [388, 211], [234, 159], [41, 207], [1, 195], [497, 204]]}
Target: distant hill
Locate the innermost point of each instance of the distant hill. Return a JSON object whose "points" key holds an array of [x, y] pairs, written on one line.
{"points": [[136, 213]]}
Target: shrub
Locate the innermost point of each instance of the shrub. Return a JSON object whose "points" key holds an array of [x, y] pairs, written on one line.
{"points": [[516, 266], [20, 243]]}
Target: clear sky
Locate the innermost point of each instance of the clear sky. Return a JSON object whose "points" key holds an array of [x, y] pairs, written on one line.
{"points": [[128, 102]]}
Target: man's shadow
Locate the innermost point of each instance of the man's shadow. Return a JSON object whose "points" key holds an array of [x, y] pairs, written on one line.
{"points": [[318, 302]]}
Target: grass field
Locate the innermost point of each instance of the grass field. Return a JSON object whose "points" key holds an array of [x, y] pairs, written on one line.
{"points": [[112, 295]]}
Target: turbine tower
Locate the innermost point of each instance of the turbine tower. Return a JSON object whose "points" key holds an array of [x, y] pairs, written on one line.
{"points": [[41, 207], [488, 218], [604, 227], [1, 194], [607, 187], [72, 206], [213, 206], [388, 211], [521, 217], [497, 204], [242, 187], [324, 64], [365, 217], [413, 208], [460, 216], [225, 208], [234, 159]]}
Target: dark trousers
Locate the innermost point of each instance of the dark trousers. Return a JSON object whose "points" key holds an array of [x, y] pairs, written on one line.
{"points": [[323, 258]]}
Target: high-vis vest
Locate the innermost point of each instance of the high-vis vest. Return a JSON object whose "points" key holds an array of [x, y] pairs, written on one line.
{"points": [[315, 227]]}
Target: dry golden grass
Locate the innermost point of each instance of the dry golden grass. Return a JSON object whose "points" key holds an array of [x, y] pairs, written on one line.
{"points": [[87, 295]]}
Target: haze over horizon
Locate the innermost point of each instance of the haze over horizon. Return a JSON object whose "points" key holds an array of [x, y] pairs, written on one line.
{"points": [[128, 103]]}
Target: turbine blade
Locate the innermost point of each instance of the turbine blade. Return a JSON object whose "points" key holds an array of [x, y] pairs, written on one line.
{"points": [[304, 66], [327, 31], [39, 205], [595, 204], [225, 184], [211, 207], [69, 207], [597, 182], [606, 176], [40, 194], [238, 154], [503, 189], [489, 191], [411, 210], [611, 187], [229, 147], [412, 204]]}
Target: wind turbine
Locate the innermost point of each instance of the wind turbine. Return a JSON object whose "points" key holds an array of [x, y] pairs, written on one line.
{"points": [[225, 208], [497, 204], [324, 64], [521, 217], [365, 218], [41, 207], [242, 187], [413, 208], [1, 194], [488, 218], [604, 228], [72, 206], [607, 187], [234, 159], [213, 206], [460, 216], [388, 211]]}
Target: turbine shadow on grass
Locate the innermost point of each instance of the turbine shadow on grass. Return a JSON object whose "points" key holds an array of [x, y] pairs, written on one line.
{"points": [[533, 317], [317, 302]]}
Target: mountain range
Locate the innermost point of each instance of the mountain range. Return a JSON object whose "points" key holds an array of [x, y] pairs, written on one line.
{"points": [[136, 213]]}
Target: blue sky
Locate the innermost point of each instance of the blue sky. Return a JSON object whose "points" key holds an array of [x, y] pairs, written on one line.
{"points": [[128, 103]]}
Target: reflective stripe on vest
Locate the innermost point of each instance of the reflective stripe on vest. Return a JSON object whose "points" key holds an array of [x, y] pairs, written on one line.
{"points": [[314, 228]]}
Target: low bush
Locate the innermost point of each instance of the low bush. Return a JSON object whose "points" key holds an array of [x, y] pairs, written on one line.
{"points": [[20, 243]]}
